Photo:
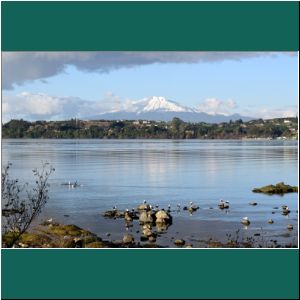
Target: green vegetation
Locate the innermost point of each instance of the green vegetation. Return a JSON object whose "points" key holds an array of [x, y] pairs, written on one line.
{"points": [[279, 188], [286, 128], [54, 236]]}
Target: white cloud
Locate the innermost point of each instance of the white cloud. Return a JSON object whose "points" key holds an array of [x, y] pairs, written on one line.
{"points": [[40, 106], [19, 67], [214, 106], [270, 113], [231, 103]]}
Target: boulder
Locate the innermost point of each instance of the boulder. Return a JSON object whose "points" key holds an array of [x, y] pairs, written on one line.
{"points": [[179, 242], [147, 232], [152, 239], [22, 245], [128, 239], [143, 238], [78, 242], [144, 206], [114, 214], [128, 217], [162, 217], [162, 227], [145, 217]]}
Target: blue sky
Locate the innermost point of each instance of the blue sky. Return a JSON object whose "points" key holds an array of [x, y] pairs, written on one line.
{"points": [[263, 84]]}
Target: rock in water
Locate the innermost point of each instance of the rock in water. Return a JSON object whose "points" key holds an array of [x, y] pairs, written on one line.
{"points": [[114, 214], [152, 239], [162, 227], [279, 188], [144, 206], [128, 217], [179, 242], [147, 232], [162, 217], [145, 217], [128, 239]]}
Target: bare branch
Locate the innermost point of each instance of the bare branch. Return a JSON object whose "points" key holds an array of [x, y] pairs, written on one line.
{"points": [[19, 211]]}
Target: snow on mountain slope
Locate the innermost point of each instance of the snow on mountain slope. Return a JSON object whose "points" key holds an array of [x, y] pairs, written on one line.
{"points": [[160, 109], [158, 104]]}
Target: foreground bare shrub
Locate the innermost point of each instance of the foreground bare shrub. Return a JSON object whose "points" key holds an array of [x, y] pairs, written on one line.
{"points": [[22, 205]]}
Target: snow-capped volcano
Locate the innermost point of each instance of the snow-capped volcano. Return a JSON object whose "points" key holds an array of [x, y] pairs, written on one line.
{"points": [[160, 109], [155, 103]]}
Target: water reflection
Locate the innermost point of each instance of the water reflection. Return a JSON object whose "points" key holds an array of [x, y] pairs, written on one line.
{"points": [[124, 172]]}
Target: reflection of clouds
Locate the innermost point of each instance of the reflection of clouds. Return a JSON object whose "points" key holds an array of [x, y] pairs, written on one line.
{"points": [[289, 153], [159, 165], [211, 166]]}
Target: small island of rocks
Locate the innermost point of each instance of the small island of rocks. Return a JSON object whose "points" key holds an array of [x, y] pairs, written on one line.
{"points": [[280, 188]]}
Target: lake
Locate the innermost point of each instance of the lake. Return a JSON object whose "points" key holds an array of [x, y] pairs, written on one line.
{"points": [[163, 172]]}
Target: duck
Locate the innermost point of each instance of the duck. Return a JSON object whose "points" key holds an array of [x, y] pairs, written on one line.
{"points": [[245, 221], [192, 207], [285, 210], [223, 204]]}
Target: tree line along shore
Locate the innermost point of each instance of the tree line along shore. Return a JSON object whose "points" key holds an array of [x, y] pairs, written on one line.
{"points": [[279, 128]]}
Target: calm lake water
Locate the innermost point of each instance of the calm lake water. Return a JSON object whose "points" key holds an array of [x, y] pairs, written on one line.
{"points": [[126, 172]]}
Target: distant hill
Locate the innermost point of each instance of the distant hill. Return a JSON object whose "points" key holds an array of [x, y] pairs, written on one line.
{"points": [[285, 128]]}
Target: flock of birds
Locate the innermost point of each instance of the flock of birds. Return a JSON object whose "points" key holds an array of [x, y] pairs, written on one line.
{"points": [[72, 185], [222, 205], [192, 207]]}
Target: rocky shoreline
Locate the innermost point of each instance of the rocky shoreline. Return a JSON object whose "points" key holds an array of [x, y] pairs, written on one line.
{"points": [[145, 226]]}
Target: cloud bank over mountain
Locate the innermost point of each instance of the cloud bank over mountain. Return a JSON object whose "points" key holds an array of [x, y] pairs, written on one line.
{"points": [[21, 67], [39, 106]]}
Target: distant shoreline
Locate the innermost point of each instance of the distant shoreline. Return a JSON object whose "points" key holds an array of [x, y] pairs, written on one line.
{"points": [[273, 129], [139, 139]]}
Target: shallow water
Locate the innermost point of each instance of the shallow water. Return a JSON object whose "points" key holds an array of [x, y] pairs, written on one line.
{"points": [[126, 172]]}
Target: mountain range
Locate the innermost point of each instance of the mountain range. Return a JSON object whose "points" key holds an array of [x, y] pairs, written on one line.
{"points": [[160, 109]]}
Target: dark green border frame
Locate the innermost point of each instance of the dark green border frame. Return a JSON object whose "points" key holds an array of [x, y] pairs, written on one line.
{"points": [[156, 26], [150, 26], [150, 274]]}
